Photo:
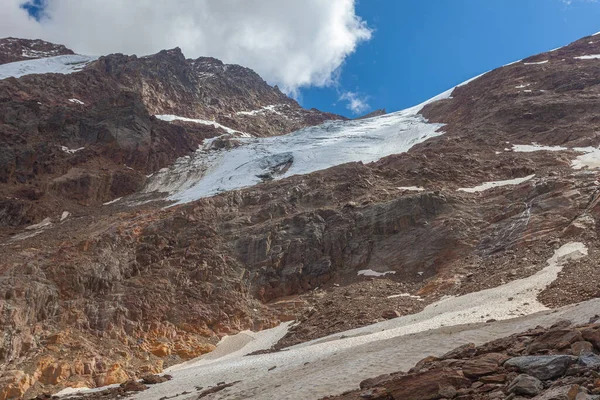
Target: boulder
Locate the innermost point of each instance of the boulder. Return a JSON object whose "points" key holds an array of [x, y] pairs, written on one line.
{"points": [[133, 386], [390, 314], [484, 365], [557, 339], [592, 335], [589, 360], [151, 379], [430, 385], [526, 385], [542, 367], [581, 347]]}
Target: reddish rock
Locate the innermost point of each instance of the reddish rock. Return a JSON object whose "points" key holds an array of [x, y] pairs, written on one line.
{"points": [[390, 314], [554, 339], [581, 347], [592, 335], [486, 364], [151, 379], [430, 385], [133, 386]]}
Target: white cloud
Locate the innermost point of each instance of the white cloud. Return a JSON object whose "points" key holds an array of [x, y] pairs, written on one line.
{"points": [[356, 103], [292, 43], [569, 2]]}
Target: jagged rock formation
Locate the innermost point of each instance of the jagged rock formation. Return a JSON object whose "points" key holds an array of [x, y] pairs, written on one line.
{"points": [[104, 294]]}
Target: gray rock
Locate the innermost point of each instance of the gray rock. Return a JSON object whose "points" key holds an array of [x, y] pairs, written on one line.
{"points": [[542, 367], [557, 393], [525, 384], [589, 360]]}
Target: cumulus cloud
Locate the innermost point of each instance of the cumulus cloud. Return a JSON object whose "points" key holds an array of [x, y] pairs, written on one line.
{"points": [[356, 103], [292, 43]]}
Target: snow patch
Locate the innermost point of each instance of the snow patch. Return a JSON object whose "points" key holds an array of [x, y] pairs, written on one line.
{"points": [[522, 86], [171, 118], [588, 57], [494, 184], [76, 101], [66, 64], [45, 223], [71, 151], [530, 148], [64, 215], [394, 296], [536, 63], [411, 188], [370, 272], [68, 392], [270, 108], [590, 158], [112, 201], [240, 345]]}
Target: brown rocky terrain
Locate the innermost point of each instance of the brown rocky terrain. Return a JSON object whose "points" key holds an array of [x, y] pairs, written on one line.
{"points": [[110, 293]]}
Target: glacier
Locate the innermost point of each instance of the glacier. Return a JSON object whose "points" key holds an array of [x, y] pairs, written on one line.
{"points": [[65, 64], [211, 171]]}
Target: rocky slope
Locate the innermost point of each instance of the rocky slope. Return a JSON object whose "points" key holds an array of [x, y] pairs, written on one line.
{"points": [[108, 293]]}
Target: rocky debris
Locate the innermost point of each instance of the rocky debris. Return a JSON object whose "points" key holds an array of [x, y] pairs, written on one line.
{"points": [[495, 370]]}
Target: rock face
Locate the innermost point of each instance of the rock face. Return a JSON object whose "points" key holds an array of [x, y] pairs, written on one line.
{"points": [[111, 292]]}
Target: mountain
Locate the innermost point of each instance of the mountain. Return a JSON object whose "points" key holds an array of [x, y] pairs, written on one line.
{"points": [[81, 131], [154, 205]]}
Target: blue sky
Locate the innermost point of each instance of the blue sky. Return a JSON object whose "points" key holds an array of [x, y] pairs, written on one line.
{"points": [[422, 47]]}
